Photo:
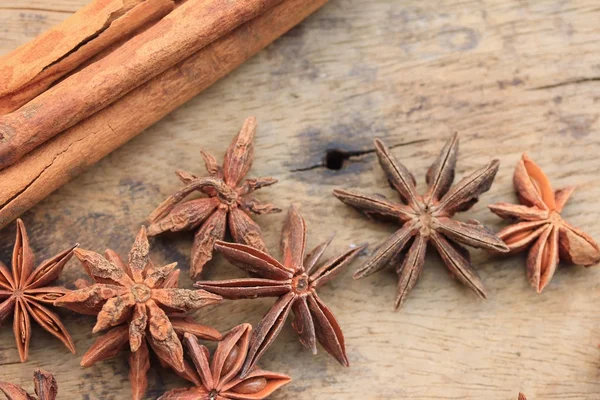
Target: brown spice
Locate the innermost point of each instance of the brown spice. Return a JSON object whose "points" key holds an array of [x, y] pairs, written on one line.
{"points": [[25, 293], [228, 201], [220, 379], [522, 397], [32, 68], [57, 161], [45, 387], [541, 227], [427, 219], [295, 282], [183, 32], [133, 300]]}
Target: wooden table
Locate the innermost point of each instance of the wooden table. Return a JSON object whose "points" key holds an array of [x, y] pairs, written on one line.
{"points": [[509, 76]]}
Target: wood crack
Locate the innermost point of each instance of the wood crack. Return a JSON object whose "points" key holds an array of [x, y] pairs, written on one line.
{"points": [[3, 364], [34, 180], [566, 83], [111, 18], [34, 9], [347, 155]]}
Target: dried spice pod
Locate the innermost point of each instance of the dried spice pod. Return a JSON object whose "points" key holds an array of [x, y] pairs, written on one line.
{"points": [[220, 378], [142, 306], [228, 202], [540, 226], [294, 281], [522, 397], [25, 293], [427, 219], [45, 387]]}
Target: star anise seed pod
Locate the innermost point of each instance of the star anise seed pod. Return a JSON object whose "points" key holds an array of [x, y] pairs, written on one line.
{"points": [[522, 397], [295, 282], [45, 387], [116, 339], [220, 378], [540, 223], [427, 219], [229, 202], [25, 291], [143, 305]]}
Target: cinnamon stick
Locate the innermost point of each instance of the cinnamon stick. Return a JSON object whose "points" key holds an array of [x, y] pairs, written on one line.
{"points": [[184, 31], [32, 68], [67, 155]]}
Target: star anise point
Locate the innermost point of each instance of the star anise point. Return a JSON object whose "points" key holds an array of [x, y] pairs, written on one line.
{"points": [[541, 227], [25, 290], [45, 387], [294, 281], [228, 204], [427, 219], [221, 378], [141, 304]]}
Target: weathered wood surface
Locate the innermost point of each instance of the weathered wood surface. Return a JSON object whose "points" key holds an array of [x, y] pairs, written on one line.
{"points": [[509, 76]]}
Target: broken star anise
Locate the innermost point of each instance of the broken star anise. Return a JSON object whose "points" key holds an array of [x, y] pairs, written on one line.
{"points": [[45, 387], [295, 282], [229, 202], [143, 306], [25, 291], [220, 378], [539, 223], [427, 219]]}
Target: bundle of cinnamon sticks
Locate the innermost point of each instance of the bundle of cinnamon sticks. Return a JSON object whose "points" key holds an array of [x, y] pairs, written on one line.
{"points": [[87, 86]]}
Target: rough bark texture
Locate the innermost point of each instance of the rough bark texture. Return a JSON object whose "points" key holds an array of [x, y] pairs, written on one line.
{"points": [[183, 32], [33, 67], [50, 166], [507, 75]]}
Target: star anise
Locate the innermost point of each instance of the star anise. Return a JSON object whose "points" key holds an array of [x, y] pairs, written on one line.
{"points": [[134, 299], [295, 282], [45, 387], [522, 397], [220, 378], [427, 219], [540, 223], [25, 292], [229, 202]]}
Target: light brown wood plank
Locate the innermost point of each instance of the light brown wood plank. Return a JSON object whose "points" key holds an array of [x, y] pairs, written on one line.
{"points": [[509, 76]]}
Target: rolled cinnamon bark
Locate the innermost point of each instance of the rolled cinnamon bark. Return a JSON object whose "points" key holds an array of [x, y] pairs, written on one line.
{"points": [[61, 159], [184, 31], [33, 67]]}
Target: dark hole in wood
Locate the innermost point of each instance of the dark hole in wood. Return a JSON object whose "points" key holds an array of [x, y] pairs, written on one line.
{"points": [[334, 159]]}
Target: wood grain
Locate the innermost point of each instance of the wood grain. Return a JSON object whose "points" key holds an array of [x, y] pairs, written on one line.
{"points": [[509, 76]]}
